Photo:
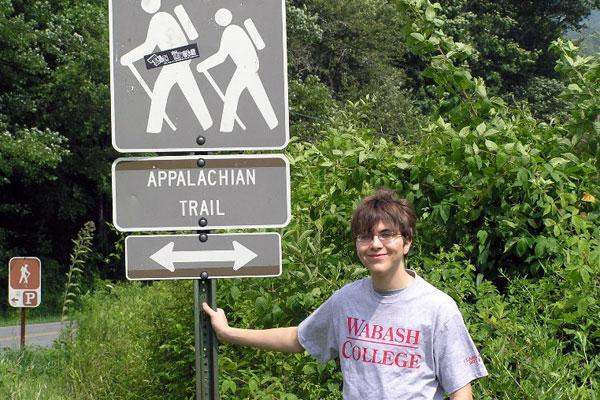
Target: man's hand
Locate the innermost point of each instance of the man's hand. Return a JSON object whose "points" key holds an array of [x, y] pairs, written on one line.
{"points": [[217, 319], [464, 393], [276, 339]]}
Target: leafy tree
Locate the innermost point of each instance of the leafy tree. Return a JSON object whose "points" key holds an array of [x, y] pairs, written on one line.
{"points": [[54, 112], [513, 37], [354, 48]]}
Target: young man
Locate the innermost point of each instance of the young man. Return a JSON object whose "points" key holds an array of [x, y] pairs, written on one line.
{"points": [[396, 336]]}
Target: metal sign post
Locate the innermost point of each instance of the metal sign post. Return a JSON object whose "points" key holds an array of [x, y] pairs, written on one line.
{"points": [[23, 324], [207, 387]]}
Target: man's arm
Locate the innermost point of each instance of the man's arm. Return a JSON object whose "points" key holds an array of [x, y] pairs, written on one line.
{"points": [[276, 339], [464, 393]]}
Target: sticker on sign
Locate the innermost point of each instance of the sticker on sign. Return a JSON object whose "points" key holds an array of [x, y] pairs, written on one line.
{"points": [[201, 192]]}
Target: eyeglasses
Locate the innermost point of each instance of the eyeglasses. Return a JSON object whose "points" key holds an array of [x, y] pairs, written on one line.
{"points": [[383, 236]]}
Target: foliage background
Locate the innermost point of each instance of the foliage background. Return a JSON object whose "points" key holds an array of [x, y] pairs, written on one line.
{"points": [[489, 126]]}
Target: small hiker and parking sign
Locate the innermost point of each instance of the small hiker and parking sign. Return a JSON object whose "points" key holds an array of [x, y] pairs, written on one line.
{"points": [[24, 282]]}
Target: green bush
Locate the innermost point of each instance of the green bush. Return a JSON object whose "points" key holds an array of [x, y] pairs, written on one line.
{"points": [[533, 314], [124, 344]]}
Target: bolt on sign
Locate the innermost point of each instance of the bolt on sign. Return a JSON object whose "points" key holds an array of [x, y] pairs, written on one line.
{"points": [[24, 282], [201, 192], [233, 255], [198, 75]]}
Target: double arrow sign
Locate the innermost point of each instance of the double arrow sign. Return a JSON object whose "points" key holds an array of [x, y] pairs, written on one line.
{"points": [[186, 257], [167, 256]]}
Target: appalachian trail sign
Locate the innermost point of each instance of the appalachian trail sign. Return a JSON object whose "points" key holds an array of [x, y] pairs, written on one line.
{"points": [[174, 193]]}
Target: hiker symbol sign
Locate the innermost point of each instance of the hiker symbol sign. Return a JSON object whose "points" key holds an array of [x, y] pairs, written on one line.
{"points": [[198, 75], [24, 282]]}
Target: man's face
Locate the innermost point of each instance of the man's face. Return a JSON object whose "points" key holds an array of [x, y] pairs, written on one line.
{"points": [[382, 251]]}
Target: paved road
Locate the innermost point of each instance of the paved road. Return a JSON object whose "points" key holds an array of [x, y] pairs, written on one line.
{"points": [[35, 335]]}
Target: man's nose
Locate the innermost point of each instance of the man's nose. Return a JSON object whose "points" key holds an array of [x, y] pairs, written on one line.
{"points": [[376, 242]]}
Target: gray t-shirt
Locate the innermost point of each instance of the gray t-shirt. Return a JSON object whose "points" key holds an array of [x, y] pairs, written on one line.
{"points": [[412, 344]]}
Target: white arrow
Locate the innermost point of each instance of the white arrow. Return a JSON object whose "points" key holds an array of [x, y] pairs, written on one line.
{"points": [[240, 255]]}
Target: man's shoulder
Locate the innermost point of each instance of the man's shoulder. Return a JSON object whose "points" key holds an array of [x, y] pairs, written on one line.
{"points": [[233, 30], [353, 288], [436, 298]]}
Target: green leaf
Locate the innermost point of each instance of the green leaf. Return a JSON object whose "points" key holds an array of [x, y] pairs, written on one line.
{"points": [[252, 385], [480, 88], [403, 165], [228, 386], [455, 143], [522, 246], [261, 303], [481, 128], [500, 159], [444, 212], [556, 230], [540, 246], [430, 13], [362, 156], [308, 369], [556, 161], [418, 36], [491, 146], [482, 236], [434, 40]]}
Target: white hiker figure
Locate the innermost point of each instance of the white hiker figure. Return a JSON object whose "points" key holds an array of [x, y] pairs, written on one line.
{"points": [[24, 274], [165, 33], [240, 46]]}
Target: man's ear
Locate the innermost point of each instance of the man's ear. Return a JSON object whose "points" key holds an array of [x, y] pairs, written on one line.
{"points": [[406, 247]]}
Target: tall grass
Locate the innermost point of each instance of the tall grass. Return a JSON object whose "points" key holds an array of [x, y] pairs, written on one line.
{"points": [[122, 351], [81, 251], [33, 374]]}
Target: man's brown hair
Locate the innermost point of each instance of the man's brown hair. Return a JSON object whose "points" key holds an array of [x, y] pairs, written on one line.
{"points": [[387, 207]]}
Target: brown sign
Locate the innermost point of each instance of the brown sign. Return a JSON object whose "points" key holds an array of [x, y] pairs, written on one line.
{"points": [[24, 281]]}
